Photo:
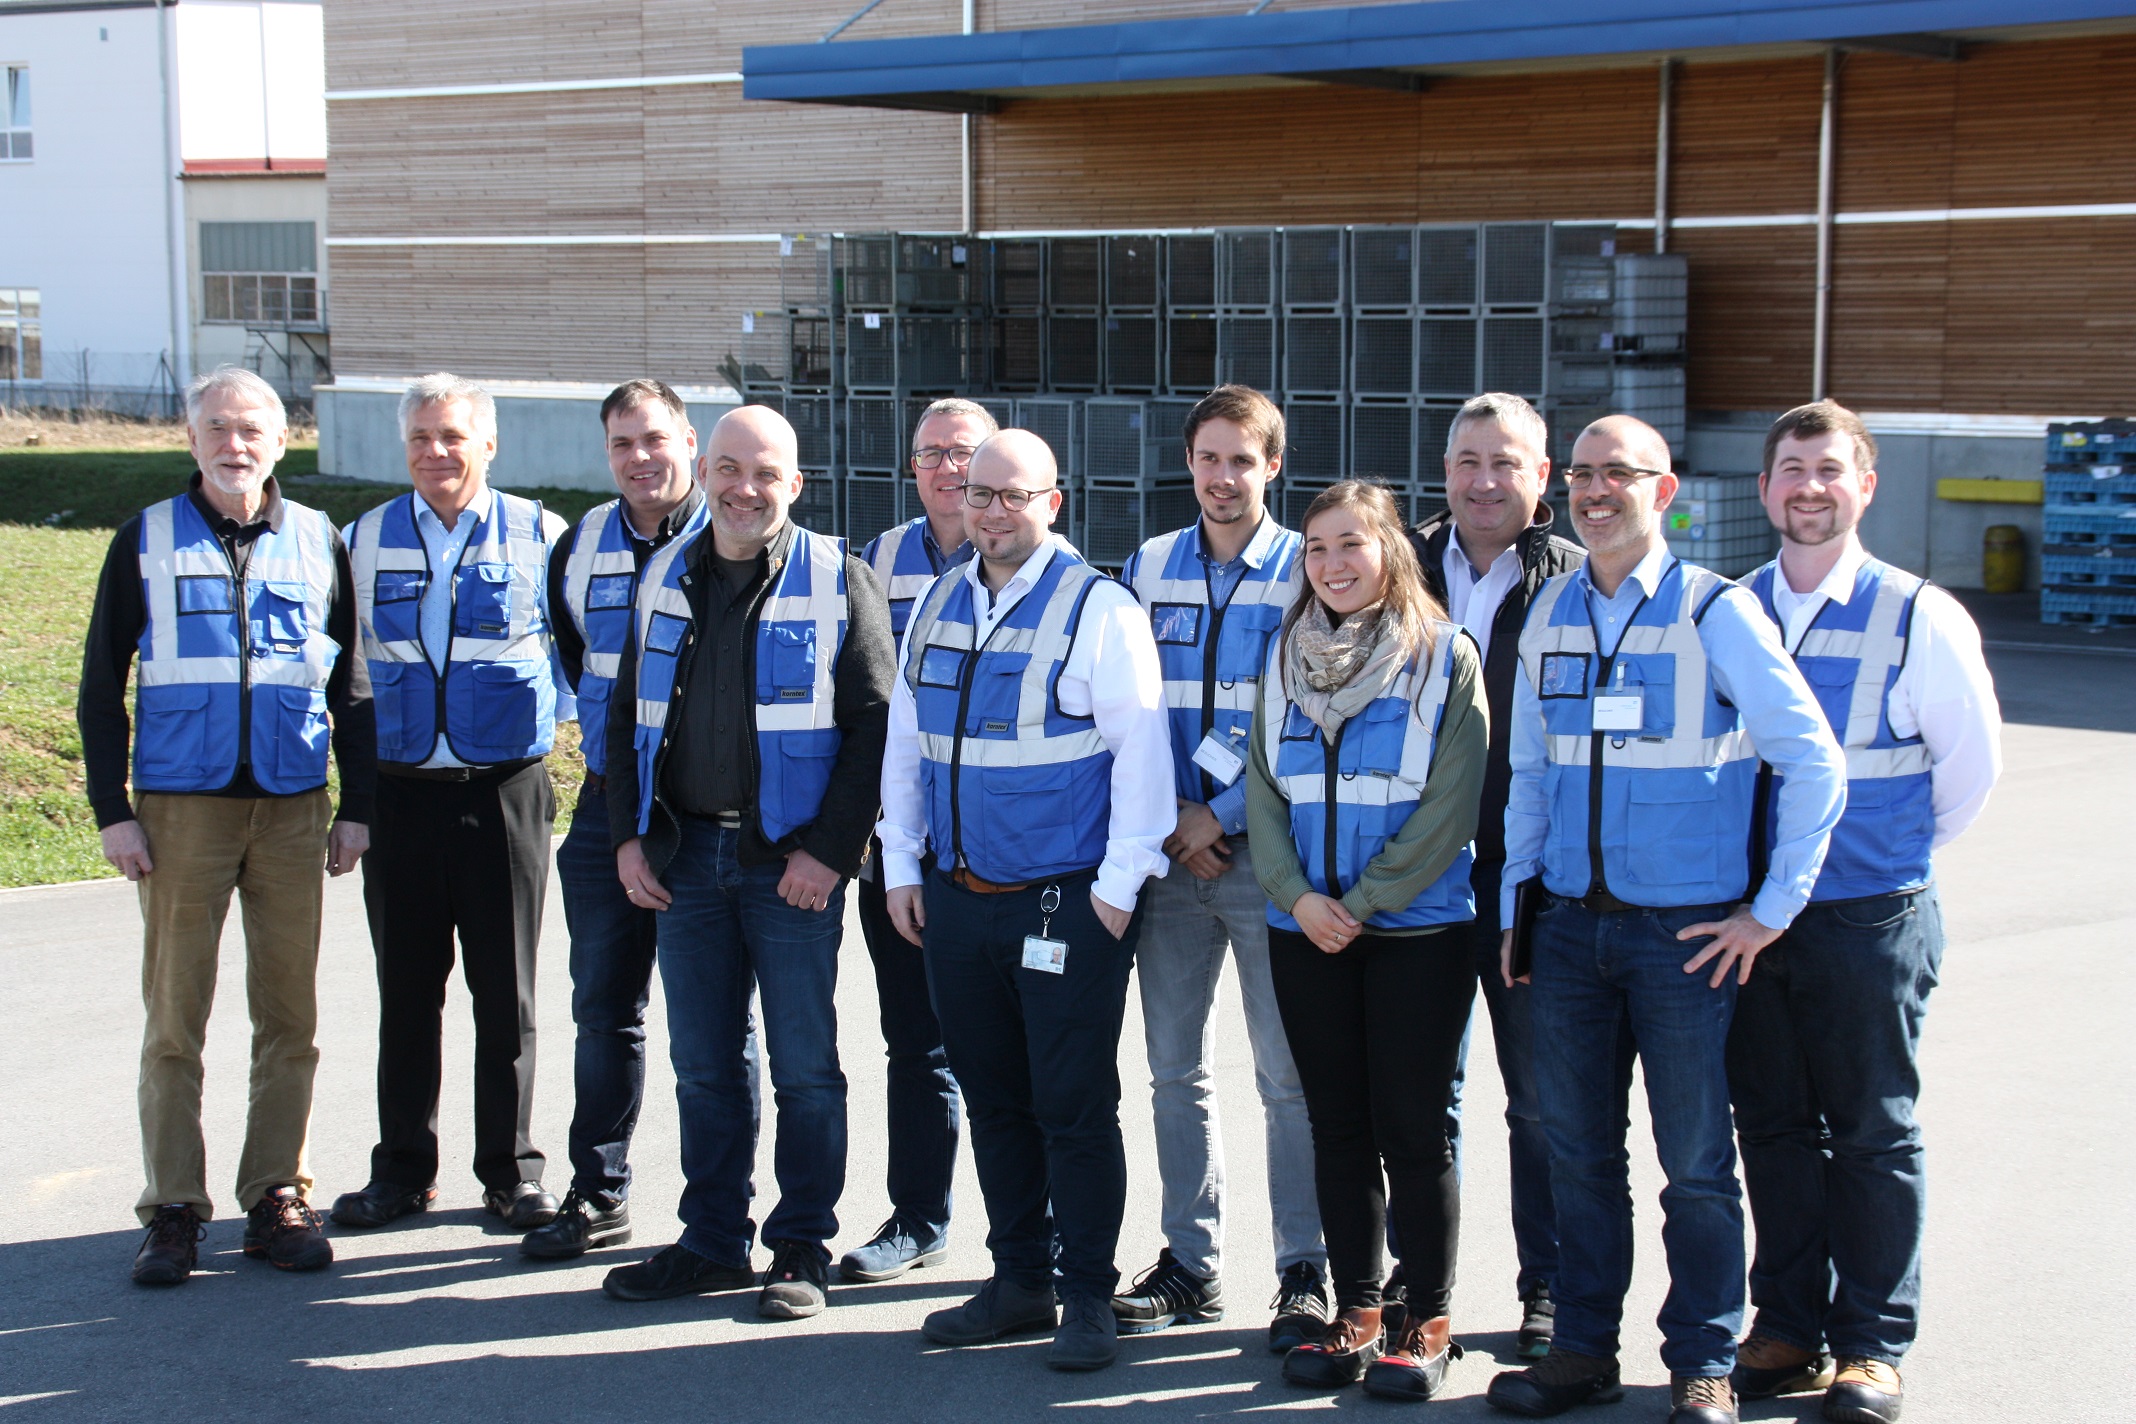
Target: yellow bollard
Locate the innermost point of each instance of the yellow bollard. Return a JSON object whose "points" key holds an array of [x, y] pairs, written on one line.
{"points": [[2002, 559]]}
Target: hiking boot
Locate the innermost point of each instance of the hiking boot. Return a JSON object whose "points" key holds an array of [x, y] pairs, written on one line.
{"points": [[579, 1227], [895, 1249], [1538, 1323], [1701, 1399], [1864, 1392], [676, 1271], [1001, 1308], [796, 1285], [1766, 1367], [1168, 1294], [1302, 1309], [1088, 1337], [283, 1230], [172, 1247], [1414, 1367], [1341, 1355], [1555, 1383]]}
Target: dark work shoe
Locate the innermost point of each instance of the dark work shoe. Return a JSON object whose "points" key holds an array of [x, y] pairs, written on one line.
{"points": [[379, 1203], [1302, 1309], [283, 1230], [1766, 1367], [1415, 1364], [1538, 1323], [1555, 1383], [172, 1247], [1864, 1392], [895, 1249], [1001, 1308], [1341, 1355], [795, 1287], [1702, 1399], [580, 1226], [675, 1271], [1088, 1337], [1167, 1294], [523, 1206]]}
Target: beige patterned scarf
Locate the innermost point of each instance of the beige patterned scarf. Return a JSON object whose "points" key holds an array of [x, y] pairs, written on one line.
{"points": [[1332, 672]]}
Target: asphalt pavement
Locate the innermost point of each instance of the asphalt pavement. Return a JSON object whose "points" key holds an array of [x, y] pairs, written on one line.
{"points": [[2030, 1086]]}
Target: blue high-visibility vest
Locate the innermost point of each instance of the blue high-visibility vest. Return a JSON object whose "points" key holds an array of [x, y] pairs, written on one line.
{"points": [[800, 630], [1673, 824], [1350, 795], [1851, 656], [600, 588], [496, 699], [1212, 655], [906, 560], [227, 662], [1015, 789]]}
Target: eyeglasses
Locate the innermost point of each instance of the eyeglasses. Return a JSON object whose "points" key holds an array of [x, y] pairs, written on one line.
{"points": [[1013, 500], [931, 457], [1615, 476]]}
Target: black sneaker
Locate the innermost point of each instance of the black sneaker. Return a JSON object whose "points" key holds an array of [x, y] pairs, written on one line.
{"points": [[580, 1226], [1555, 1383], [1302, 1309], [1168, 1294], [795, 1287], [1538, 1323], [283, 1230], [676, 1271], [1000, 1309], [172, 1247]]}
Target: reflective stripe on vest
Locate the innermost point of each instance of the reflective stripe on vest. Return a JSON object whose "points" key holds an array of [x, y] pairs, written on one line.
{"points": [[600, 587], [497, 693], [1349, 798], [800, 630], [1015, 788], [905, 561], [209, 668], [1673, 821], [1852, 655], [1212, 656]]}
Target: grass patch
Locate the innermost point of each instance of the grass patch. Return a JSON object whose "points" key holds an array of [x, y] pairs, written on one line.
{"points": [[58, 507]]}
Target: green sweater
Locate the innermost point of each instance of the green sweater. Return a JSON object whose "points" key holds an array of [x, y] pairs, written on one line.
{"points": [[1436, 832]]}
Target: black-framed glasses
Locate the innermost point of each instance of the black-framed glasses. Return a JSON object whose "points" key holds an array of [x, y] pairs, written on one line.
{"points": [[1012, 499], [930, 457], [1616, 476]]}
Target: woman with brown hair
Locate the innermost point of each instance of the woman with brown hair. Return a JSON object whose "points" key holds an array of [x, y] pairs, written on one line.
{"points": [[1367, 754]]}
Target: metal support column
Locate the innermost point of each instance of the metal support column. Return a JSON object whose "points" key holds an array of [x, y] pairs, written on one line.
{"points": [[1661, 156], [1821, 348]]}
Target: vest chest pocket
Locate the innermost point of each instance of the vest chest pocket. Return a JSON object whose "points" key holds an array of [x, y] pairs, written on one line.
{"points": [[1299, 750], [997, 696], [1831, 681], [1242, 644], [1653, 675], [786, 663], [1372, 740], [608, 591], [281, 616], [482, 605], [396, 603]]}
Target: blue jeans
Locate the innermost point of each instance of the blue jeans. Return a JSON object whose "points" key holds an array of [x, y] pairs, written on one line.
{"points": [[1190, 922], [1822, 1060], [1513, 1034], [924, 1119], [726, 924], [1038, 1057], [1607, 987], [612, 949]]}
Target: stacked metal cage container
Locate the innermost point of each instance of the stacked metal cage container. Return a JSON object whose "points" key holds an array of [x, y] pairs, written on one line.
{"points": [[2088, 560], [1718, 522]]}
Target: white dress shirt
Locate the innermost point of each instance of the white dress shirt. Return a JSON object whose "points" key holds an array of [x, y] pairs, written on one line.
{"points": [[1111, 676], [1944, 693], [1473, 599]]}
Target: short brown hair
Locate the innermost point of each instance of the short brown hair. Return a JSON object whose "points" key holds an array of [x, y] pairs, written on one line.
{"points": [[632, 394], [1823, 417], [1403, 593], [1245, 407]]}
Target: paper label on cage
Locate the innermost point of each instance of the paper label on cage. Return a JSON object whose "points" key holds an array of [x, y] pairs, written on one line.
{"points": [[748, 322], [873, 321], [786, 246]]}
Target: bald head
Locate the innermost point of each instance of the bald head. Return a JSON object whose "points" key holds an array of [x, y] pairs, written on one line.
{"points": [[751, 472], [1632, 441], [1020, 457], [756, 428], [1014, 466], [1619, 482]]}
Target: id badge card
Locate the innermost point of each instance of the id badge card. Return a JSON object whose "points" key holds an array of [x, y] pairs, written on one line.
{"points": [[1219, 758], [1040, 951], [1621, 711]]}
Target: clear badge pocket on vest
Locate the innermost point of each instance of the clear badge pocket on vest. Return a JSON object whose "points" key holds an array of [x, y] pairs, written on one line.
{"points": [[664, 633], [205, 593], [1176, 623], [608, 591], [942, 667]]}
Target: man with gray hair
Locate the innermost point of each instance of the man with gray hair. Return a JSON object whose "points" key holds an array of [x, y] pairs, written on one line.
{"points": [[1485, 556], [452, 597], [240, 607]]}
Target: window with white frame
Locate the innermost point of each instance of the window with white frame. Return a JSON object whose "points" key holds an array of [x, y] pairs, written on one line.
{"points": [[260, 273], [21, 335], [15, 114]]}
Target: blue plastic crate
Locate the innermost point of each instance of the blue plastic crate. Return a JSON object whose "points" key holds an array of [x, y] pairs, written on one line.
{"points": [[2092, 484], [2098, 610], [2091, 523], [2086, 571], [2093, 442]]}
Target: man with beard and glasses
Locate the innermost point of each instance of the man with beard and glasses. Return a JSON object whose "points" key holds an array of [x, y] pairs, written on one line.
{"points": [[240, 606], [1649, 690], [1822, 1058]]}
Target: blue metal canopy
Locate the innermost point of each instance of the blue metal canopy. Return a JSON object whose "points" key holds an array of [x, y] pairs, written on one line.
{"points": [[1378, 45]]}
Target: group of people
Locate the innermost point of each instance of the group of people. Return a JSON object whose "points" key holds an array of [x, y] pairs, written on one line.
{"points": [[1657, 815]]}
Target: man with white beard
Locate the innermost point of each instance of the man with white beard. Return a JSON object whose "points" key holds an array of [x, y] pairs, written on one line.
{"points": [[241, 609]]}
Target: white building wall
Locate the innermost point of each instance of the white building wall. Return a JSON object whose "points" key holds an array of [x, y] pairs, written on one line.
{"points": [[251, 81]]}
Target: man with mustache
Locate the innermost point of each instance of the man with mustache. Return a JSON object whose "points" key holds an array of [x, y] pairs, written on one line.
{"points": [[240, 606], [745, 742], [1822, 1056], [1649, 691]]}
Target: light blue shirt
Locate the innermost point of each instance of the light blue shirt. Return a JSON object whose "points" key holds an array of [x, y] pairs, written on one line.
{"points": [[1229, 805], [1751, 670]]}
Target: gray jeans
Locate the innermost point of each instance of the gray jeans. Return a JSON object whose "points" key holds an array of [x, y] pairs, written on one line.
{"points": [[1188, 924]]}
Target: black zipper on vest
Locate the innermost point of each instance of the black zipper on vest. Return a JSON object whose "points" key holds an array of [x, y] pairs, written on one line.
{"points": [[244, 662], [1208, 707], [1332, 759]]}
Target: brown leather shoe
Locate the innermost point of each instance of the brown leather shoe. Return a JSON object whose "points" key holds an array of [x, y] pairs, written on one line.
{"points": [[1766, 1367], [1342, 1355], [1414, 1366], [1701, 1399], [171, 1248], [1864, 1392], [283, 1229]]}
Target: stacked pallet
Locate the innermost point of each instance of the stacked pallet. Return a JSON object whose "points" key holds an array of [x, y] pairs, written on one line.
{"points": [[2088, 561]]}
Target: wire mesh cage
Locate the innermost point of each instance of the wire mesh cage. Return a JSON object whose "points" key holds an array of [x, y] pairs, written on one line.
{"points": [[1246, 263], [1314, 267], [814, 419], [1133, 350], [1001, 408], [816, 507], [1114, 437], [1383, 354], [1513, 355], [1446, 356], [1016, 352], [1075, 272], [1294, 496], [805, 274], [1435, 424], [1073, 352], [867, 268], [937, 270], [1446, 265], [1117, 518], [1059, 422], [765, 352], [874, 501], [1515, 263], [1190, 271], [1164, 429], [1134, 272], [1190, 353], [875, 433], [1246, 351], [871, 351], [811, 360], [1019, 274], [1313, 355], [1383, 266], [1313, 432], [1383, 443]]}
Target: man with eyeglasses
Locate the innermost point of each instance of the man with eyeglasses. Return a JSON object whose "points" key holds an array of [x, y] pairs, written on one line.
{"points": [[922, 1119], [1649, 691], [1028, 753]]}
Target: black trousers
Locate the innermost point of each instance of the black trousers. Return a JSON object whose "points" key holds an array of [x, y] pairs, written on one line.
{"points": [[1376, 1034], [470, 857]]}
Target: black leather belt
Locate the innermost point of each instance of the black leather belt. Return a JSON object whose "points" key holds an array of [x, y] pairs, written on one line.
{"points": [[1599, 901], [454, 773]]}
